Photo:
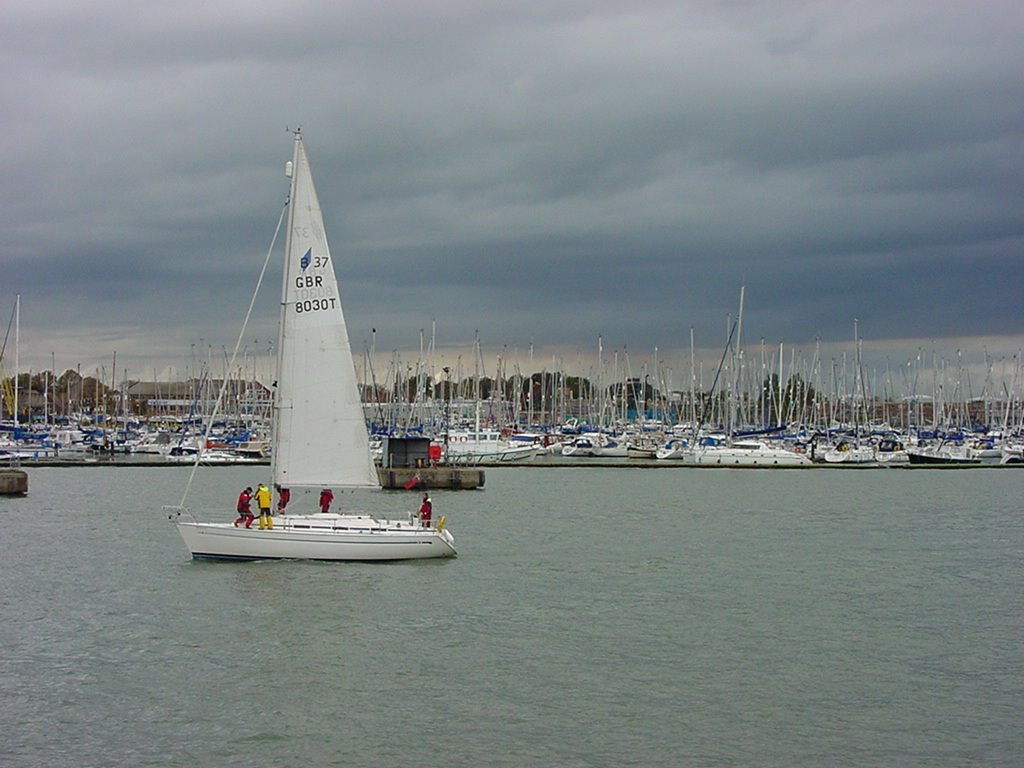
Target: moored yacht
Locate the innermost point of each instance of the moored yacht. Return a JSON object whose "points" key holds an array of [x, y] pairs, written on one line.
{"points": [[845, 452], [675, 448], [749, 453], [943, 453]]}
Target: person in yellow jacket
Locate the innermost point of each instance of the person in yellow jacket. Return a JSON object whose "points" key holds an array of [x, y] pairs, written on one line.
{"points": [[263, 502]]}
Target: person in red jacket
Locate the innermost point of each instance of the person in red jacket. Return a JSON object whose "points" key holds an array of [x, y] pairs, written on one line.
{"points": [[426, 510], [326, 497], [283, 495], [244, 511]]}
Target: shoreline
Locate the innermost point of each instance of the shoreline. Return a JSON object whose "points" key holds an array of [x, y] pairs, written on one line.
{"points": [[535, 463]]}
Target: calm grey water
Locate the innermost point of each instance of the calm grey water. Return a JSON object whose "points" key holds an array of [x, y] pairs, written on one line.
{"points": [[594, 617]]}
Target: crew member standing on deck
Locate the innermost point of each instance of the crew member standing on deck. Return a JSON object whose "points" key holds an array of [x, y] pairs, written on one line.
{"points": [[283, 495], [326, 497], [243, 508], [426, 511], [263, 502]]}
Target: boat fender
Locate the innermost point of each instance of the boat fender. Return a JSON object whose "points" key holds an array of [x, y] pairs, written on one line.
{"points": [[440, 523]]}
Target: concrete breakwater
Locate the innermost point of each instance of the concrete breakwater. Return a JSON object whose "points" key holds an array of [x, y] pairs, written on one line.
{"points": [[13, 482]]}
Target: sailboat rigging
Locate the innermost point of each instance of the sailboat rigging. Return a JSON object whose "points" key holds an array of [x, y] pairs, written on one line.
{"points": [[319, 437]]}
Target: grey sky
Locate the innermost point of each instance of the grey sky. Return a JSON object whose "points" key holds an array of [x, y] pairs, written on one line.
{"points": [[543, 173]]}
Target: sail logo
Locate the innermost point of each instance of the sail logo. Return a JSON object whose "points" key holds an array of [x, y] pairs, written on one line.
{"points": [[307, 257]]}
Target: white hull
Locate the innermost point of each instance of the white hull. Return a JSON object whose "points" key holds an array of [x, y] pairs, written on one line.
{"points": [[577, 451], [1012, 454], [892, 457], [675, 449], [503, 454], [317, 537], [25, 452], [760, 456], [849, 456], [594, 445], [517, 453], [211, 457]]}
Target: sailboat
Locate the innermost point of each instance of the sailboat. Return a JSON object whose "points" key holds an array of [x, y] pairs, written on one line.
{"points": [[319, 437], [856, 452], [746, 452]]}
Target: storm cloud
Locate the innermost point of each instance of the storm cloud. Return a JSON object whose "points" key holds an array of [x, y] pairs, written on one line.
{"points": [[540, 174]]}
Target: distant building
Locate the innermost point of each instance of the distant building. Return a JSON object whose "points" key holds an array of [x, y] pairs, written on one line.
{"points": [[181, 399]]}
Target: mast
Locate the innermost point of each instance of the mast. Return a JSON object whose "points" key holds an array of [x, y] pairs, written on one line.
{"points": [[693, 382], [290, 169], [780, 421], [17, 369], [738, 372], [854, 407]]}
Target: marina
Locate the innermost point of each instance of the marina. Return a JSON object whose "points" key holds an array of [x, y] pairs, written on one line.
{"points": [[878, 451], [471, 419], [783, 416], [473, 476]]}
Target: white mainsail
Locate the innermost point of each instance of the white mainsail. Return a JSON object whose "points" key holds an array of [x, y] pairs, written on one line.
{"points": [[320, 437]]}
